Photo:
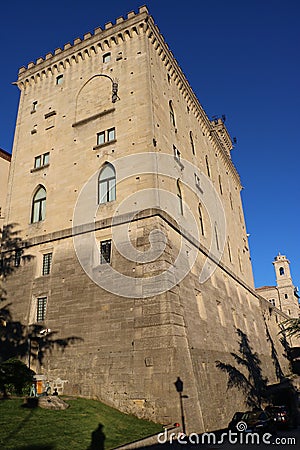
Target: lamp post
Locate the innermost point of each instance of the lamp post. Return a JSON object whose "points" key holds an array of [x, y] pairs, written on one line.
{"points": [[179, 388]]}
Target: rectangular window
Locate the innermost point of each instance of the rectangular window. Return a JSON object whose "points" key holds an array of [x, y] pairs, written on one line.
{"points": [[34, 106], [106, 136], [101, 138], [45, 159], [59, 79], [41, 160], [111, 134], [37, 162], [106, 58], [105, 252], [47, 259], [41, 309]]}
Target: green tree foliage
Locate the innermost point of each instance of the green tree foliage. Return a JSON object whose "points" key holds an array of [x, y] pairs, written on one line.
{"points": [[15, 377]]}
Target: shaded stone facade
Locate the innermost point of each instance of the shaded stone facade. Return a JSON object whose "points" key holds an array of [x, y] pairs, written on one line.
{"points": [[171, 305]]}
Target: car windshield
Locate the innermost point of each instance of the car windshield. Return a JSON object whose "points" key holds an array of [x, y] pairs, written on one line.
{"points": [[254, 415]]}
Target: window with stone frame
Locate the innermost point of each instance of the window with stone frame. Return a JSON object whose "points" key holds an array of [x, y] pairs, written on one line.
{"points": [[47, 261], [41, 309], [107, 184], [38, 211], [105, 251]]}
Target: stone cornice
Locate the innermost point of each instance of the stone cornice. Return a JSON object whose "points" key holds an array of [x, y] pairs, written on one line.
{"points": [[5, 155]]}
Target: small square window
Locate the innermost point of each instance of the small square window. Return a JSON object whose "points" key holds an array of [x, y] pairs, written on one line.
{"points": [[46, 159], [41, 309], [107, 57], [47, 259], [101, 138], [59, 79], [105, 252], [37, 162], [111, 134]]}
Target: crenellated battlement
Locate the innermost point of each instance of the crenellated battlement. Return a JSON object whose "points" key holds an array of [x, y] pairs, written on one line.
{"points": [[81, 44]]}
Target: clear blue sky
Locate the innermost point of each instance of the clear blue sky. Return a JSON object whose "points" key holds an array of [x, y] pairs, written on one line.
{"points": [[242, 60]]}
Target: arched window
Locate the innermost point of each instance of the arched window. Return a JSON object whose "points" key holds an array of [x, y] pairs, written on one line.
{"points": [[38, 211], [179, 195], [281, 271], [192, 142], [107, 184], [172, 114], [201, 221]]}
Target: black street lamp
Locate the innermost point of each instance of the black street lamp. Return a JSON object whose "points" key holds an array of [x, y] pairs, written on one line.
{"points": [[179, 388]]}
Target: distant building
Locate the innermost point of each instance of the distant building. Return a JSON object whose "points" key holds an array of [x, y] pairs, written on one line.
{"points": [[284, 295], [4, 172], [128, 195]]}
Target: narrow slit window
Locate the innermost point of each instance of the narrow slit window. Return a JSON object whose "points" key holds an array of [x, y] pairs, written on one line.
{"points": [[59, 79], [201, 221], [229, 251], [192, 142], [220, 185], [207, 166], [172, 114], [217, 237], [179, 195]]}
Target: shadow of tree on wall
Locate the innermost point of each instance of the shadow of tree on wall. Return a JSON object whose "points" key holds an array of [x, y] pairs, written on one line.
{"points": [[16, 338], [274, 355], [249, 379]]}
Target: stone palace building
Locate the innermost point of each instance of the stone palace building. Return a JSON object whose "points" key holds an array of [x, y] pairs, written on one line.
{"points": [[128, 196]]}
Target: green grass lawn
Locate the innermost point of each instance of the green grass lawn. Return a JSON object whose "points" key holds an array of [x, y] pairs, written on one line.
{"points": [[71, 429]]}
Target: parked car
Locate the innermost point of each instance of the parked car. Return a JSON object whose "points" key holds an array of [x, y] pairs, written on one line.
{"points": [[280, 415], [259, 422], [237, 417]]}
